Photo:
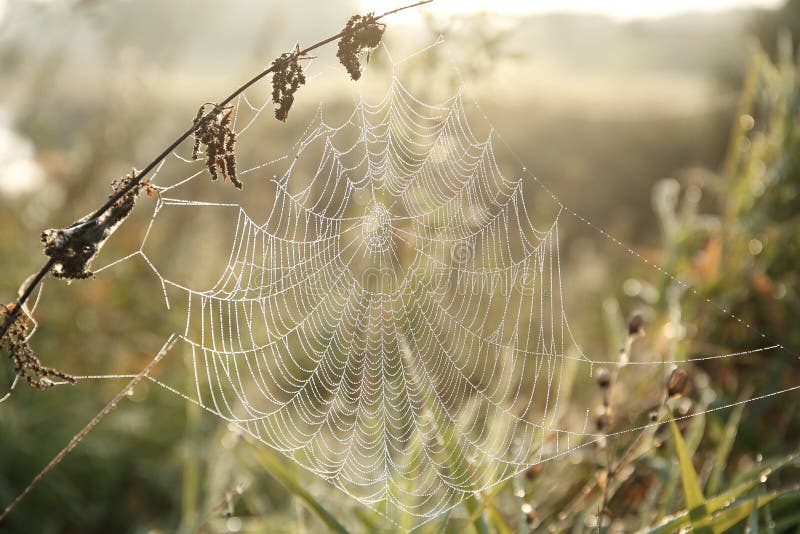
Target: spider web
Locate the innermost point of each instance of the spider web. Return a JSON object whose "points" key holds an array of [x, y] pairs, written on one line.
{"points": [[376, 326], [394, 321]]}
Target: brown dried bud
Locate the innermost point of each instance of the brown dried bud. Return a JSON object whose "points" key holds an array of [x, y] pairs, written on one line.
{"points": [[530, 512], [286, 79], [533, 471], [677, 382], [214, 133], [362, 33], [530, 517], [603, 378], [601, 422], [636, 325], [26, 364]]}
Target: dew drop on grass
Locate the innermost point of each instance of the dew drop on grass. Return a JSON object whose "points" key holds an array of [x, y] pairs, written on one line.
{"points": [[747, 122], [234, 524]]}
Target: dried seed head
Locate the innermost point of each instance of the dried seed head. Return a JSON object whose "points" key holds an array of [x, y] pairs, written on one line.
{"points": [[26, 364], [636, 324], [362, 33], [286, 79], [603, 378], [216, 136], [677, 382]]}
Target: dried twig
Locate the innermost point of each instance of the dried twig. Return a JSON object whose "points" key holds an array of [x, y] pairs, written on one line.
{"points": [[606, 380], [76, 234], [112, 404]]}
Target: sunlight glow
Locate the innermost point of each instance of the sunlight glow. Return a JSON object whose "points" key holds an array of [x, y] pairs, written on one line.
{"points": [[623, 9]]}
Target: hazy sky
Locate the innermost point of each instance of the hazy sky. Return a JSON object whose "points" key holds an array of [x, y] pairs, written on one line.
{"points": [[615, 8]]}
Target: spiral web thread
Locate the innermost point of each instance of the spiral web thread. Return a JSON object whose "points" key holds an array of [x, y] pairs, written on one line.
{"points": [[376, 326], [395, 324]]}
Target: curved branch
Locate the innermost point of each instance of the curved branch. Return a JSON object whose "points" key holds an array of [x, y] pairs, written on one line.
{"points": [[139, 176]]}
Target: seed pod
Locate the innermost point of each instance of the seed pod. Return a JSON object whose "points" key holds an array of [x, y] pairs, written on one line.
{"points": [[677, 382], [601, 422], [636, 325], [532, 471], [603, 379], [530, 517], [530, 512]]}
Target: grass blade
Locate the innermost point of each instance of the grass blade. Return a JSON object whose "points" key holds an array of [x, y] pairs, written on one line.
{"points": [[718, 502], [724, 449], [498, 520], [695, 502], [737, 513], [274, 466], [443, 523], [752, 522]]}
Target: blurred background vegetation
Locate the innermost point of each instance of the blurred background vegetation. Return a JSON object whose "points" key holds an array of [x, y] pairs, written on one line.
{"points": [[677, 134]]}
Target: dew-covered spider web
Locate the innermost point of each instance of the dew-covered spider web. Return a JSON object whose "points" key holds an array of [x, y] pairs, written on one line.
{"points": [[392, 317]]}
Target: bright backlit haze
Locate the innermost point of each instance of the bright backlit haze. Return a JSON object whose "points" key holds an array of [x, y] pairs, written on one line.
{"points": [[623, 9]]}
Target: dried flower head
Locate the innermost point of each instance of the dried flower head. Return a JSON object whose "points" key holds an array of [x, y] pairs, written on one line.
{"points": [[26, 364], [677, 382], [603, 378], [636, 324], [287, 78], [362, 33], [73, 248], [214, 132]]}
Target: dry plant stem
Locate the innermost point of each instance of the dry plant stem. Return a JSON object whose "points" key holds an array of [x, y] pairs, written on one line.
{"points": [[611, 470], [10, 318], [25, 295], [89, 426], [628, 456]]}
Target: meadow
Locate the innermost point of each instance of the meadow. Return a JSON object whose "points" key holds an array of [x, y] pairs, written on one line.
{"points": [[675, 144]]}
